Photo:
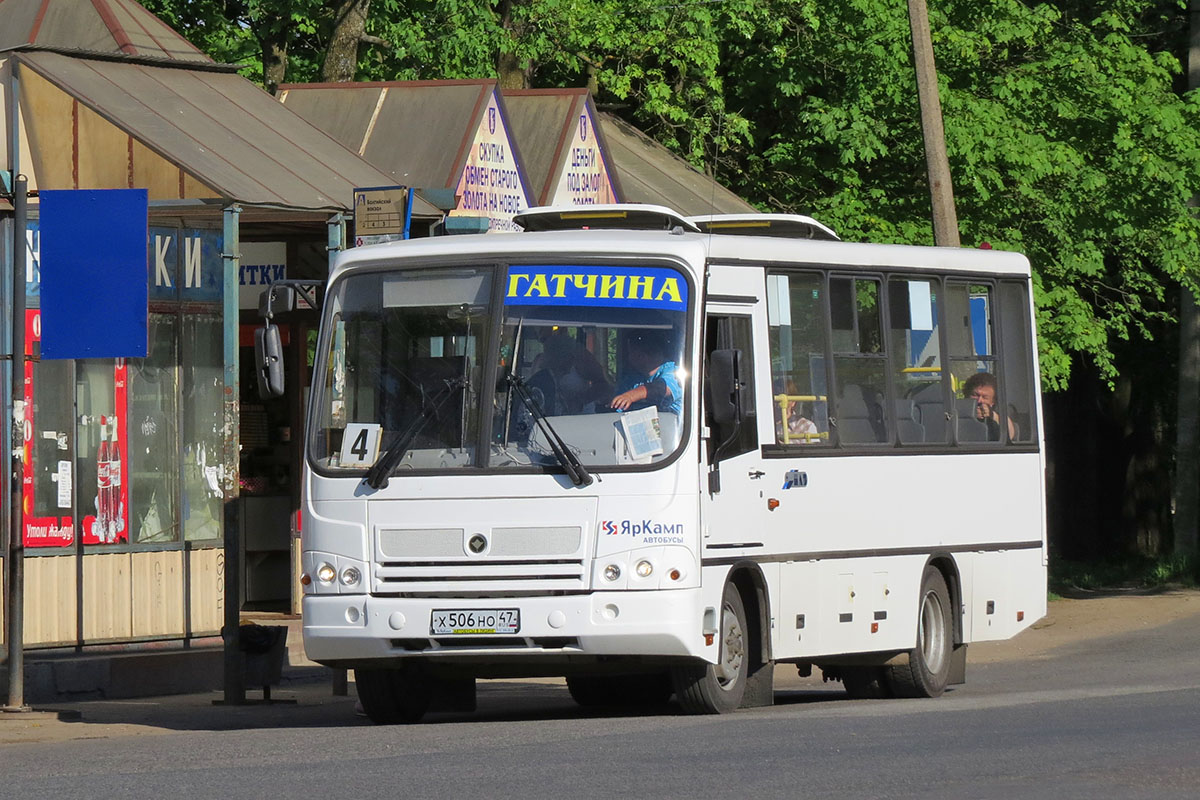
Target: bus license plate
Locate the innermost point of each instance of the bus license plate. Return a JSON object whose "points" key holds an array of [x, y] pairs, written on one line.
{"points": [[474, 621]]}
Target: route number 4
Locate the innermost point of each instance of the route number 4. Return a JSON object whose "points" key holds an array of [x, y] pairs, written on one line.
{"points": [[360, 445]]}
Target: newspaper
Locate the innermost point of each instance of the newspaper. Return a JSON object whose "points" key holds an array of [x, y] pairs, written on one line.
{"points": [[641, 434]]}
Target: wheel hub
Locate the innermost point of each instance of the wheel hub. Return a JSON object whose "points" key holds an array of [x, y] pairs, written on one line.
{"points": [[733, 649]]}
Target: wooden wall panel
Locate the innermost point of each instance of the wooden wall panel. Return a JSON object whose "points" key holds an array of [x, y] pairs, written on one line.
{"points": [[157, 593], [107, 596], [103, 152], [154, 173], [207, 591], [50, 600], [195, 190], [49, 120]]}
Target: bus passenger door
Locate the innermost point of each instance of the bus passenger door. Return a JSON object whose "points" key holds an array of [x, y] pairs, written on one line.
{"points": [[734, 507]]}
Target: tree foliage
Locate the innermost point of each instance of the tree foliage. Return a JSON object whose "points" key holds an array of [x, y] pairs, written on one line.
{"points": [[1070, 137], [1067, 141]]}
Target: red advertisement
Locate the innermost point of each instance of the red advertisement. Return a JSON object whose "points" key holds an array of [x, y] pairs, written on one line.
{"points": [[48, 531], [108, 519], [110, 522]]}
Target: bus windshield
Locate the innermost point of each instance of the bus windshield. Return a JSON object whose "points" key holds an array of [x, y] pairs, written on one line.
{"points": [[586, 358]]}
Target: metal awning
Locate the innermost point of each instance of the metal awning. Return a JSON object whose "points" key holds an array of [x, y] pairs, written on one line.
{"points": [[221, 129], [418, 131], [116, 27]]}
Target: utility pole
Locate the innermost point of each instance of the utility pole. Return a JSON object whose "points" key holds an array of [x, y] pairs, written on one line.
{"points": [[1186, 491], [941, 189], [14, 584]]}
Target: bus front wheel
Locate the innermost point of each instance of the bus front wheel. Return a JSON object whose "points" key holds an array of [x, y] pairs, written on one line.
{"points": [[392, 696], [718, 688], [928, 667]]}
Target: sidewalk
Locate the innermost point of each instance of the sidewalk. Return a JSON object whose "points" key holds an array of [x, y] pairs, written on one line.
{"points": [[1069, 622], [152, 668]]}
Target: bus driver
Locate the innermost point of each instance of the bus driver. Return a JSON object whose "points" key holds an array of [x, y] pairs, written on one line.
{"points": [[653, 381]]}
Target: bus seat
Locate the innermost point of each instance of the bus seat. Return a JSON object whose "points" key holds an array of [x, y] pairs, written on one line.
{"points": [[911, 431], [931, 411], [1020, 423], [860, 416], [969, 428]]}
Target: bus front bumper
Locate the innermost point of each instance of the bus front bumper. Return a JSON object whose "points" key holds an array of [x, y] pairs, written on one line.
{"points": [[341, 628]]}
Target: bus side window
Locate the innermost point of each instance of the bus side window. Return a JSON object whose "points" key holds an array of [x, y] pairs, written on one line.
{"points": [[1015, 349], [796, 322], [859, 360], [979, 415], [917, 370], [730, 332]]}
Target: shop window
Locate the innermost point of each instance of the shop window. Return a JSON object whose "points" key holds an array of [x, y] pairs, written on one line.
{"points": [[154, 435], [102, 452], [202, 421], [47, 472]]}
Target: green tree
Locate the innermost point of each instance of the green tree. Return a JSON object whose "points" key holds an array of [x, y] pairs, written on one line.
{"points": [[1067, 141], [1068, 134]]}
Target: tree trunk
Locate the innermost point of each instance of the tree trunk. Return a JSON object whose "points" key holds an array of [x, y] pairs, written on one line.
{"points": [[508, 68], [275, 62], [349, 27]]}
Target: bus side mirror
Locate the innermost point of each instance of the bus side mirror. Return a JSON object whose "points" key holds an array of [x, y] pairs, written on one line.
{"points": [[268, 361], [725, 387], [276, 299]]}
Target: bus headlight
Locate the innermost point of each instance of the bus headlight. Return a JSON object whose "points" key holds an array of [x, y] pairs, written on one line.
{"points": [[612, 572], [351, 576], [326, 573], [644, 569]]}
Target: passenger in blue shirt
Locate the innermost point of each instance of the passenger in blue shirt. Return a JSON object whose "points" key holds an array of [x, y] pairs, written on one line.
{"points": [[653, 381]]}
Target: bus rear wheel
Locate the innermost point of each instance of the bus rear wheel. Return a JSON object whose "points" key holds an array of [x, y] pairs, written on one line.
{"points": [[928, 669], [718, 688], [391, 696]]}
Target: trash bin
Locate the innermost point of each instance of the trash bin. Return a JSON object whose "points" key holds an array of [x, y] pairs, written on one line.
{"points": [[263, 649]]}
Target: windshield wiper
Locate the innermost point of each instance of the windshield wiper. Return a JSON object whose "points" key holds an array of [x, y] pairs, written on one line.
{"points": [[566, 457], [377, 475]]}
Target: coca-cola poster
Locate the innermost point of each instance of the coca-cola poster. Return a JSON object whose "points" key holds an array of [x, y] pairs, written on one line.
{"points": [[51, 482], [107, 520], [43, 530]]}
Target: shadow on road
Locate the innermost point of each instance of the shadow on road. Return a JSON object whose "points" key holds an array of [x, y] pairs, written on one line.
{"points": [[312, 705]]}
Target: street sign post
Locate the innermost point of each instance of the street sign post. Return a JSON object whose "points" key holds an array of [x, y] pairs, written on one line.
{"points": [[381, 214]]}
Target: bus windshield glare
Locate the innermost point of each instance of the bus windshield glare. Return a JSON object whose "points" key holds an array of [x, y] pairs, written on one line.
{"points": [[589, 356]]}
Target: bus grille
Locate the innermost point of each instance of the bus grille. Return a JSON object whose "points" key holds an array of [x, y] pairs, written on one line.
{"points": [[451, 577]]}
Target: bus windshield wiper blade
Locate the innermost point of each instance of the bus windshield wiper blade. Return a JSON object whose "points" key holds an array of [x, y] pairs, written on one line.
{"points": [[377, 475], [566, 457]]}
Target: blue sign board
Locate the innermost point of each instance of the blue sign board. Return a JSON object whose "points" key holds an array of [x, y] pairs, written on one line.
{"points": [[622, 287], [93, 273]]}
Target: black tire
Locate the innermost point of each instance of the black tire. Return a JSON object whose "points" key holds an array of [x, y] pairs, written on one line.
{"points": [[705, 688], [392, 696], [866, 683], [928, 667], [620, 691]]}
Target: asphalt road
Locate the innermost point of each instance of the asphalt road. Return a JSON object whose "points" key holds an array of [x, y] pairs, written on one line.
{"points": [[1116, 716]]}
